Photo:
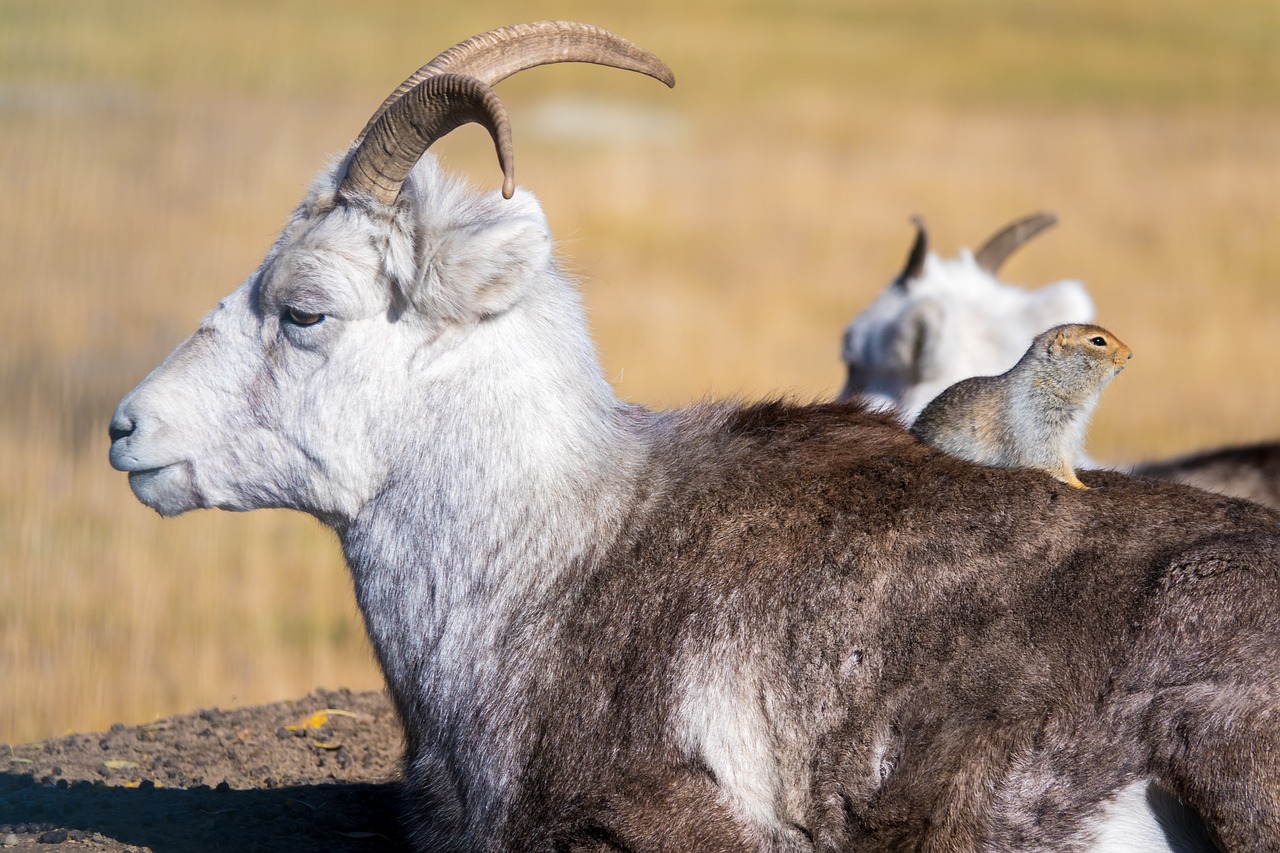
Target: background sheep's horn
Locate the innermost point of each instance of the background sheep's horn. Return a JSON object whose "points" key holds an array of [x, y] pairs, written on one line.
{"points": [[487, 58], [1002, 244], [404, 132], [915, 259]]}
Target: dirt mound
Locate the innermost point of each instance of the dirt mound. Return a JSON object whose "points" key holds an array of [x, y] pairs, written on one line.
{"points": [[317, 773]]}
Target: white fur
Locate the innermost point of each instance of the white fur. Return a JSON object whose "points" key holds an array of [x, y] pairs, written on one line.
{"points": [[414, 420], [1144, 818], [721, 719]]}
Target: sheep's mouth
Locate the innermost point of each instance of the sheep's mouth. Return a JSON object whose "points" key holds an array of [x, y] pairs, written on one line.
{"points": [[124, 456], [168, 489]]}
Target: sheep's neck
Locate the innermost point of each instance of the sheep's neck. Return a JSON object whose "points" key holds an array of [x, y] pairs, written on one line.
{"points": [[458, 563]]}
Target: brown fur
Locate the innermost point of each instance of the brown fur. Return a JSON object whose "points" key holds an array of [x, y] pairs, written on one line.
{"points": [[1024, 651]]}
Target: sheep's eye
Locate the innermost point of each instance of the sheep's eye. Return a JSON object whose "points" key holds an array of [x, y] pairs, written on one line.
{"points": [[301, 318], [1098, 341]]}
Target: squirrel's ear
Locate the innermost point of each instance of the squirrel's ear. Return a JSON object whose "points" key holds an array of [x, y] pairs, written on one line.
{"points": [[1059, 343]]}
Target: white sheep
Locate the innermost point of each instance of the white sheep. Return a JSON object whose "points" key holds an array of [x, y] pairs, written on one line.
{"points": [[721, 628]]}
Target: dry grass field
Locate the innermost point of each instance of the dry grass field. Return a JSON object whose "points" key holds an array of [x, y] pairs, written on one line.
{"points": [[724, 232]]}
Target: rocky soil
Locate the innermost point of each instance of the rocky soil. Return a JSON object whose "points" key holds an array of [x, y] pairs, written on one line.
{"points": [[313, 774]]}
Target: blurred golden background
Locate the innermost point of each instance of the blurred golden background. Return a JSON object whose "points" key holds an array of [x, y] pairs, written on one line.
{"points": [[724, 232]]}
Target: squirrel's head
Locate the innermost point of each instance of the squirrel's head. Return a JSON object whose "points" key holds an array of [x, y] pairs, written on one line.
{"points": [[1087, 345]]}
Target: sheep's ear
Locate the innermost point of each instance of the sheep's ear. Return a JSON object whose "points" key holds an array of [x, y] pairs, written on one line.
{"points": [[917, 342], [476, 271], [1058, 303]]}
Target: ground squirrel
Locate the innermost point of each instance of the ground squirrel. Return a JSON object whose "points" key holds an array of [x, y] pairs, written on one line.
{"points": [[1034, 415]]}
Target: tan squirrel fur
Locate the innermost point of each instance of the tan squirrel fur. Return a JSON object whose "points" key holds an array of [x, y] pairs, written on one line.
{"points": [[1035, 414]]}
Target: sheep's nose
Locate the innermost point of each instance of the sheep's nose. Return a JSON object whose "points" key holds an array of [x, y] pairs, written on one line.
{"points": [[122, 426]]}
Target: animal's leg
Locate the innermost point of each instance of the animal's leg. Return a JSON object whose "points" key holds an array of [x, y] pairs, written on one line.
{"points": [[1222, 748], [1068, 476]]}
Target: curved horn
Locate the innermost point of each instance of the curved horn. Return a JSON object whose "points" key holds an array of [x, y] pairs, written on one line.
{"points": [[425, 113], [497, 54], [1002, 244], [387, 148], [915, 259]]}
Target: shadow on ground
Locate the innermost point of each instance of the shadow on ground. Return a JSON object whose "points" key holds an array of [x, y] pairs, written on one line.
{"points": [[330, 817]]}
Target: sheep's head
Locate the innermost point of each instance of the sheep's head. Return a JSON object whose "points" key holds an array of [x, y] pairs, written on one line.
{"points": [[365, 311], [941, 321]]}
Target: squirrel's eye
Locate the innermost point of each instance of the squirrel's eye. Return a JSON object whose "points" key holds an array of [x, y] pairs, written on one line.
{"points": [[1098, 341], [301, 318]]}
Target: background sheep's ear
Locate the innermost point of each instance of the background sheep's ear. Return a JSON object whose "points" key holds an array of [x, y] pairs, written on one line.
{"points": [[917, 342], [1058, 303], [477, 271]]}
